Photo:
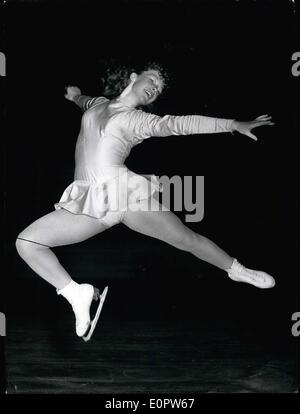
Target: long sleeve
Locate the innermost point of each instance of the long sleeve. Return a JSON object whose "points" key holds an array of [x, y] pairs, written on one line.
{"points": [[142, 125], [85, 102]]}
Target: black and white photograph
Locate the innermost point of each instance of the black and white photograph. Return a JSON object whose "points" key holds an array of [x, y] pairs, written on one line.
{"points": [[150, 209]]}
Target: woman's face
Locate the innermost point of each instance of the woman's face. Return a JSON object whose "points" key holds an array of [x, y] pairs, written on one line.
{"points": [[148, 86]]}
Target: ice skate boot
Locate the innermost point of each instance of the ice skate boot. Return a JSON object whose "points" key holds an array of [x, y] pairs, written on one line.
{"points": [[80, 297], [257, 278]]}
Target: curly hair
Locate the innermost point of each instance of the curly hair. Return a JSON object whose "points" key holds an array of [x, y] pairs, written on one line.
{"points": [[117, 76]]}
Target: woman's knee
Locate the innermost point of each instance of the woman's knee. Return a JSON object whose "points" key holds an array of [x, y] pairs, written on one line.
{"points": [[26, 247], [22, 247]]}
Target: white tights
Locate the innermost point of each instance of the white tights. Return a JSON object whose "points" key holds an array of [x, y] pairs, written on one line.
{"points": [[61, 227]]}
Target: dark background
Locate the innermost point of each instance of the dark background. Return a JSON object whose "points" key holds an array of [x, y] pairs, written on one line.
{"points": [[228, 59]]}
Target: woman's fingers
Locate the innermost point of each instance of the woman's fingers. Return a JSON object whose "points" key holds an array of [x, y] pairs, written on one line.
{"points": [[263, 117], [252, 136], [260, 123]]}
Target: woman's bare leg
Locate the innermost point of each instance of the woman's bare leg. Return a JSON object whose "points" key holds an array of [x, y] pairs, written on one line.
{"points": [[166, 226], [57, 228]]}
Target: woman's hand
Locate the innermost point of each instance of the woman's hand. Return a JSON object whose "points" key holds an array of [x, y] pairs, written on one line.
{"points": [[246, 127], [72, 91]]}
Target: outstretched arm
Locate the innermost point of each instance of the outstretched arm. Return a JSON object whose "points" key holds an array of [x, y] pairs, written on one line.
{"points": [[73, 94], [142, 125]]}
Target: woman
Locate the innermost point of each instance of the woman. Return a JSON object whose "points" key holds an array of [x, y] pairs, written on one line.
{"points": [[102, 192]]}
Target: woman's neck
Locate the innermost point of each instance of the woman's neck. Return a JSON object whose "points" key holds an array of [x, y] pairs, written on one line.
{"points": [[127, 97], [124, 101]]}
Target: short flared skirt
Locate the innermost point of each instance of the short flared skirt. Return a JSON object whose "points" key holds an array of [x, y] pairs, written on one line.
{"points": [[97, 197]]}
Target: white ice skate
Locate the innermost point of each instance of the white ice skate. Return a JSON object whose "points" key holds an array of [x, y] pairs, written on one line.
{"points": [[240, 273], [81, 296], [93, 324]]}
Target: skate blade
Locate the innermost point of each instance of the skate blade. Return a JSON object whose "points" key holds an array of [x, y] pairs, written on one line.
{"points": [[87, 337]]}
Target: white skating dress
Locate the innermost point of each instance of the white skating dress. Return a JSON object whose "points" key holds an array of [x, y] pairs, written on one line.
{"points": [[103, 187]]}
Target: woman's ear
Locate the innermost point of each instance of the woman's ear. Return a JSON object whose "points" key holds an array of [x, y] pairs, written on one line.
{"points": [[133, 77]]}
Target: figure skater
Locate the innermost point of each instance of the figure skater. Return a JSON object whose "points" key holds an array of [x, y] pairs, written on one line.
{"points": [[100, 195]]}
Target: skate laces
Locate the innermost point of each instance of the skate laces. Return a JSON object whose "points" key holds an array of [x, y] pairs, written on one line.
{"points": [[252, 274]]}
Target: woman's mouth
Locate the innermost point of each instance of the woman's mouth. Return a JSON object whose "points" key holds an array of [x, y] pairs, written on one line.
{"points": [[149, 93]]}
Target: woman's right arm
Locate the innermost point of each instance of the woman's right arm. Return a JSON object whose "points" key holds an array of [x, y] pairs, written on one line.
{"points": [[73, 94]]}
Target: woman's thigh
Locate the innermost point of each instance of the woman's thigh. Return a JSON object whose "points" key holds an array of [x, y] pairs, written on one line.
{"points": [[60, 227], [163, 225]]}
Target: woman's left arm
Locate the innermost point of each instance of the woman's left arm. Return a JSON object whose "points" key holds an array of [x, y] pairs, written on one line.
{"points": [[143, 125]]}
